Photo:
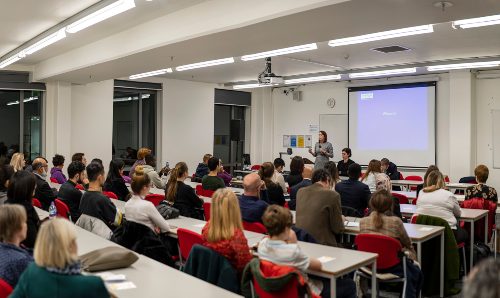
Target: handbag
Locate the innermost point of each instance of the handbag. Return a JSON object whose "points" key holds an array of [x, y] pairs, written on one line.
{"points": [[108, 258], [167, 211]]}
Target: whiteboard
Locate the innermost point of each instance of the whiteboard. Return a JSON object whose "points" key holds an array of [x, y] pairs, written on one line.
{"points": [[336, 127], [495, 115]]}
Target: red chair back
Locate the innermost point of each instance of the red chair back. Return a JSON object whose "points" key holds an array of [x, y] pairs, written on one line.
{"points": [[53, 180], [255, 167], [413, 219], [80, 187], [481, 203], [36, 203], [446, 179], [5, 289], [198, 189], [206, 210], [414, 178], [256, 227], [271, 270], [186, 240], [401, 176], [402, 198], [155, 198], [387, 248], [110, 195], [62, 209]]}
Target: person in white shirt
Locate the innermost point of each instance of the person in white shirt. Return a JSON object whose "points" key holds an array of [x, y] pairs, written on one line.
{"points": [[374, 167], [436, 201], [278, 178], [141, 211]]}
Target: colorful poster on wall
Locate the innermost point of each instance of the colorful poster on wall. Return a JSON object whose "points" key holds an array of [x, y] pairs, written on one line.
{"points": [[300, 141], [308, 141], [293, 141], [286, 141]]}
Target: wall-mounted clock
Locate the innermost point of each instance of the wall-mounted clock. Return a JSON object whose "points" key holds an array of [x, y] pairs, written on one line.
{"points": [[331, 102]]}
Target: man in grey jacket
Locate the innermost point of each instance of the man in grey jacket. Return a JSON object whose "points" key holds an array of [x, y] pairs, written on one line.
{"points": [[149, 169]]}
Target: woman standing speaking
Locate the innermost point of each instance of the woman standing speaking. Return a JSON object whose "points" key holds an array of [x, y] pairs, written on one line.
{"points": [[323, 150]]}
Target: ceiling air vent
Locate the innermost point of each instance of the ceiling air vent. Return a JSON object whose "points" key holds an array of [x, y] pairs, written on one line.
{"points": [[391, 49]]}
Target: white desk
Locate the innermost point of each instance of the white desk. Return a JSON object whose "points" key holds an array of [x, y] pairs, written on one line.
{"points": [[459, 186], [412, 195], [406, 183]]}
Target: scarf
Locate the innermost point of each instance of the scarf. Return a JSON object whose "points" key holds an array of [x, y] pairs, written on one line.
{"points": [[70, 269]]}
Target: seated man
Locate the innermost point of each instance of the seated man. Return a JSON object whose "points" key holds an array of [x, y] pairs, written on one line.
{"points": [[279, 165], [202, 169], [211, 181], [306, 181], [354, 193], [43, 192], [252, 207], [68, 193], [318, 209], [149, 169], [390, 169]]}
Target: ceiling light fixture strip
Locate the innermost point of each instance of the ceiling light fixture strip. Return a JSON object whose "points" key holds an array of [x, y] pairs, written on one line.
{"points": [[477, 22], [151, 73], [314, 79], [284, 51], [205, 64], [52, 38], [463, 65], [383, 73]]}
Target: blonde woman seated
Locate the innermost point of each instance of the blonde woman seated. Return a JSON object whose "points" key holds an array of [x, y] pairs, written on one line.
{"points": [[374, 167], [56, 271], [17, 161]]}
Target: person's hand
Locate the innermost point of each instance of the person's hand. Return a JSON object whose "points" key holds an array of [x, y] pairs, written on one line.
{"points": [[322, 151], [157, 230], [311, 150], [164, 171]]}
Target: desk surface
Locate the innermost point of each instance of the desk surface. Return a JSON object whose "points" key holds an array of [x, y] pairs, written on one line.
{"points": [[467, 214], [406, 182]]}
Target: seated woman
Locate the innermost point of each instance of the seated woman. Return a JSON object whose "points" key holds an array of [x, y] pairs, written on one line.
{"points": [[13, 258], [274, 190], [6, 172], [224, 231], [296, 169], [114, 182], [374, 167], [384, 182], [225, 176], [379, 223], [429, 169], [481, 190], [434, 200], [331, 167], [56, 172], [56, 271], [141, 211], [183, 196]]}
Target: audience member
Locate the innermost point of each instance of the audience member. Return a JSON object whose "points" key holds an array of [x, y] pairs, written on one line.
{"points": [[20, 191], [97, 160], [481, 190], [279, 165], [182, 196], [6, 172], [140, 160], [483, 280], [384, 183], [224, 231], [150, 170], [114, 182], [56, 270], [225, 176], [379, 223], [346, 161], [296, 169], [306, 181], [211, 181], [68, 193], [429, 169], [79, 157], [43, 192], [56, 171], [141, 211], [17, 161], [13, 258], [252, 207], [318, 209], [374, 167], [202, 169], [274, 191], [353, 193], [390, 169], [331, 167]]}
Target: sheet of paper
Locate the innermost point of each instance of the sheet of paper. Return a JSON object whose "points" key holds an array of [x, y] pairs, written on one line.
{"points": [[118, 286], [325, 259], [426, 229], [111, 277], [286, 141], [352, 224], [199, 225]]}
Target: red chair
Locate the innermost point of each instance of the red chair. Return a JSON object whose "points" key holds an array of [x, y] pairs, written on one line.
{"points": [[271, 270], [155, 198], [389, 252], [36, 202], [54, 180], [288, 190], [414, 178], [255, 168], [80, 187], [481, 203], [110, 195], [5, 289], [401, 176], [62, 209], [206, 210], [402, 198], [198, 189], [446, 179], [186, 240], [256, 227]]}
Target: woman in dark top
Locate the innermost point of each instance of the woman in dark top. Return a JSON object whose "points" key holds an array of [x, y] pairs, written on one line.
{"points": [[346, 161], [296, 169], [114, 182], [181, 195], [20, 191], [481, 190], [274, 190]]}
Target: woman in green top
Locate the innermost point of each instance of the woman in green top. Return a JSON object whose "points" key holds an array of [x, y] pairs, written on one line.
{"points": [[56, 272], [212, 181]]}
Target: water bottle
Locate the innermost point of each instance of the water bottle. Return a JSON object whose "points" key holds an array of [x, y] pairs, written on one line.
{"points": [[52, 210]]}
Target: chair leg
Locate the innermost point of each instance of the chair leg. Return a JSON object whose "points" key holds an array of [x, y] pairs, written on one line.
{"points": [[464, 259]]}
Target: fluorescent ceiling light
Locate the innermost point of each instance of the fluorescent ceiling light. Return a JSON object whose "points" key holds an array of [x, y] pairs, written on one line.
{"points": [[101, 15], [150, 74], [205, 64], [314, 79], [463, 65], [477, 22], [382, 35], [12, 59], [52, 38], [382, 73], [296, 49], [248, 86]]}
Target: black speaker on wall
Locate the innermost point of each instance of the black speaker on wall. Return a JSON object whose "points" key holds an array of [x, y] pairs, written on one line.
{"points": [[235, 130]]}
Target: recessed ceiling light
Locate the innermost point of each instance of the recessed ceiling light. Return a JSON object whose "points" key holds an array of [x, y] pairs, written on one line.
{"points": [[205, 64], [379, 73], [284, 51]]}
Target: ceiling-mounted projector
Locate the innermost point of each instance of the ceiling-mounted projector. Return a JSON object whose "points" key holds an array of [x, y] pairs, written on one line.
{"points": [[267, 77]]}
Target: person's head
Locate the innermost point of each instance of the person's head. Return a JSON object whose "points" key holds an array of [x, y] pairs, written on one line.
{"points": [[79, 157], [55, 244], [428, 171], [206, 157], [384, 162], [346, 153], [178, 173], [323, 137], [21, 187], [277, 220], [95, 173], [225, 215], [331, 167], [6, 172], [374, 166], [481, 172], [266, 172], [143, 152], [150, 160], [296, 165], [307, 173], [17, 161], [13, 225], [380, 203], [435, 181], [76, 171], [321, 176], [97, 160], [40, 166], [279, 164], [58, 161], [354, 171], [115, 169], [383, 182], [141, 182], [483, 280], [214, 164], [252, 184]]}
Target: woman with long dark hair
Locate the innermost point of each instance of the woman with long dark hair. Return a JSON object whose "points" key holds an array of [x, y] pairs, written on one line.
{"points": [[114, 182], [182, 196], [274, 191]]}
